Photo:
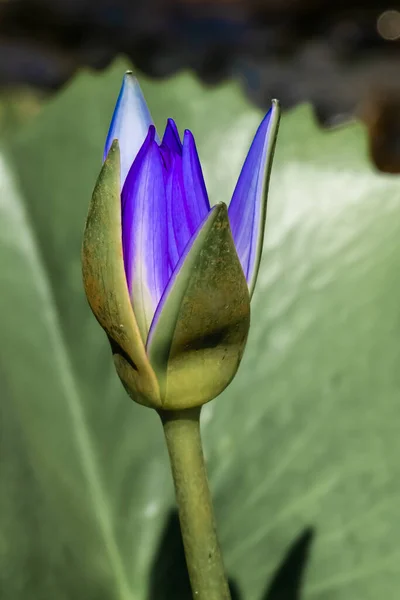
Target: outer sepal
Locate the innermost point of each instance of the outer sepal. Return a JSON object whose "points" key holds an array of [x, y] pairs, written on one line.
{"points": [[201, 327], [106, 288]]}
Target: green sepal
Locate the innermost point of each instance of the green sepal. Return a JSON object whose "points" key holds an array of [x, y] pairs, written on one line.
{"points": [[106, 288], [199, 339]]}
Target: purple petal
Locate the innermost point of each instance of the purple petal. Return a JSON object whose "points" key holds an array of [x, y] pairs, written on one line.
{"points": [[247, 209], [171, 139], [187, 200], [145, 232], [197, 204], [183, 214], [130, 123], [179, 231]]}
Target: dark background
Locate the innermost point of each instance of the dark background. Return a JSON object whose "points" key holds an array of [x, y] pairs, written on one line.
{"points": [[343, 57]]}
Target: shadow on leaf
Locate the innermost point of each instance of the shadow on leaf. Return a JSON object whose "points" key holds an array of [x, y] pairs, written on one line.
{"points": [[169, 578], [287, 581]]}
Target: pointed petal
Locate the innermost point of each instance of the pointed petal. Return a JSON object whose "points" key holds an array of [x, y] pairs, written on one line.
{"points": [[187, 200], [184, 216], [145, 232], [171, 139], [130, 123], [197, 202], [200, 328], [178, 228], [247, 210], [105, 284]]}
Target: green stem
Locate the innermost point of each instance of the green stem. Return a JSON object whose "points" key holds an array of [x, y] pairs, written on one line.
{"points": [[196, 515]]}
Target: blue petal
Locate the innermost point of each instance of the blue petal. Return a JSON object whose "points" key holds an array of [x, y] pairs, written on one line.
{"points": [[187, 200], [145, 232], [171, 139], [130, 123], [178, 227], [247, 209], [197, 204]]}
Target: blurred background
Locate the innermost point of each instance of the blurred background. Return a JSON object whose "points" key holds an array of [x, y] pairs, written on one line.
{"points": [[303, 447], [342, 57]]}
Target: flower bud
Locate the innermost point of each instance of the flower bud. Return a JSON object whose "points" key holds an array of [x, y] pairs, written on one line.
{"points": [[200, 328], [168, 277]]}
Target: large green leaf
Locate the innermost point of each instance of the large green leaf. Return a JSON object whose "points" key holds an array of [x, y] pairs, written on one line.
{"points": [[306, 435]]}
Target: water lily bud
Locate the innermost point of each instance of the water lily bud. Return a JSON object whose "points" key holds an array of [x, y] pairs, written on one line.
{"points": [[168, 277]]}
